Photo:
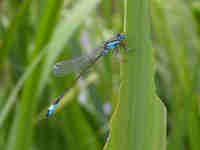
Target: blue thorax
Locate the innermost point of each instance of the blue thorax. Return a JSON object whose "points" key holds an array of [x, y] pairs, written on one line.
{"points": [[112, 44]]}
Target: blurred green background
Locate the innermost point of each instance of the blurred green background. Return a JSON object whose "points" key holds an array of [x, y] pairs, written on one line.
{"points": [[36, 34]]}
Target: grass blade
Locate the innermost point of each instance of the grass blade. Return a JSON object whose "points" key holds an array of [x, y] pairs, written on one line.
{"points": [[140, 120]]}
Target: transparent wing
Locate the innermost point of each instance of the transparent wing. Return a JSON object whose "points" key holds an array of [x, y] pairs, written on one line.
{"points": [[71, 65], [77, 64]]}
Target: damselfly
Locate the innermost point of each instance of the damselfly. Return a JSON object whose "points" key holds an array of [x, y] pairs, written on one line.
{"points": [[83, 63]]}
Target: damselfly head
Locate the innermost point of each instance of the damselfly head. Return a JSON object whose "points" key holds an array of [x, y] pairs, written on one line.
{"points": [[120, 36]]}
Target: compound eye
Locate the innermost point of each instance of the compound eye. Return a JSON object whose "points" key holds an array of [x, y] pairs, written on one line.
{"points": [[122, 36]]}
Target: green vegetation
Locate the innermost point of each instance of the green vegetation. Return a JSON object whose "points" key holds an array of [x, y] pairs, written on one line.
{"points": [[124, 95]]}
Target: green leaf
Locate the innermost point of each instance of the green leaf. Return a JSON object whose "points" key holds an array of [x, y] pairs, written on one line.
{"points": [[139, 122]]}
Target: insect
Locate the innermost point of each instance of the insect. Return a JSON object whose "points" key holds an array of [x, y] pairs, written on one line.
{"points": [[83, 63]]}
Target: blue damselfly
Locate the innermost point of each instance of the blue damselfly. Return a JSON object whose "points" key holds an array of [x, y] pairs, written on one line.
{"points": [[83, 63]]}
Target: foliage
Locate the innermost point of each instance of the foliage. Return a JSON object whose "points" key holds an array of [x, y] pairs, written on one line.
{"points": [[36, 34]]}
